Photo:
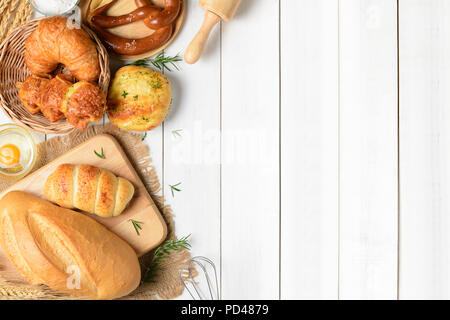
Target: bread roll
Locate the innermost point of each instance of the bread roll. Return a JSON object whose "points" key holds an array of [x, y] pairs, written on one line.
{"points": [[81, 102], [89, 189], [84, 102], [139, 98], [65, 250], [53, 97], [31, 91]]}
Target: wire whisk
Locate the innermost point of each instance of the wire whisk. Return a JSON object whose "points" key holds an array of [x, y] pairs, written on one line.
{"points": [[203, 268]]}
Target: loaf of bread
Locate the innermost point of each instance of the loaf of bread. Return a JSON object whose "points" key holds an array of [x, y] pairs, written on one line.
{"points": [[89, 189], [65, 250]]}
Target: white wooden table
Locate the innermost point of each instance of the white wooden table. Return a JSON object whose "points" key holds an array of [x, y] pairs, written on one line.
{"points": [[314, 156]]}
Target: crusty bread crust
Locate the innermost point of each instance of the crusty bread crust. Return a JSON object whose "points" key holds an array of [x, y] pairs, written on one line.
{"points": [[86, 182], [59, 186], [45, 241], [88, 188], [139, 98]]}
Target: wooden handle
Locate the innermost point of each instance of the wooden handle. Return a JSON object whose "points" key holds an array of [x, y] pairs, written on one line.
{"points": [[195, 48]]}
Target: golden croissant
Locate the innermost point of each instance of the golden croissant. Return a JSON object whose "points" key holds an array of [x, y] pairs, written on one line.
{"points": [[89, 189], [58, 40]]}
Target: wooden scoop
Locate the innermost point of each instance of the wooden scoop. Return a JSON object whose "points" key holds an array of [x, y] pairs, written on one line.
{"points": [[216, 10]]}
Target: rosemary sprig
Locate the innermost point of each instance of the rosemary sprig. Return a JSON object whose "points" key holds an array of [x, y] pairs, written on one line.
{"points": [[100, 155], [162, 253], [176, 133], [139, 63], [174, 188], [161, 62], [137, 225], [144, 136]]}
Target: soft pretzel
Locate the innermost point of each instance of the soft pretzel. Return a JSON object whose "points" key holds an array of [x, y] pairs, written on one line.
{"points": [[58, 40], [160, 20], [165, 17]]}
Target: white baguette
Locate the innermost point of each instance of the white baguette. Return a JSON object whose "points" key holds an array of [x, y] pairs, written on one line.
{"points": [[65, 250]]}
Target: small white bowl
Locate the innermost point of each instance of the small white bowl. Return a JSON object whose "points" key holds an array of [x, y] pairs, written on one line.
{"points": [[48, 14]]}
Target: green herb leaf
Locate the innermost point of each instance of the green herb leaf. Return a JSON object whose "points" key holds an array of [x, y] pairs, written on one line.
{"points": [[100, 155], [137, 225], [174, 188], [139, 63], [160, 62], [163, 252], [176, 133], [144, 136], [124, 94]]}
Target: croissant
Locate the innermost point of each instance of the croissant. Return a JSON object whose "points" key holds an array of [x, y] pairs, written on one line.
{"points": [[81, 103], [89, 189], [58, 40]]}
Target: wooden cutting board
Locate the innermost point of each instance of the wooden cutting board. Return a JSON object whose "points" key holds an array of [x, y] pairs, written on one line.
{"points": [[141, 207]]}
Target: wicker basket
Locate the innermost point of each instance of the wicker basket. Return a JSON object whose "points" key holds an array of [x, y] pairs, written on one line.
{"points": [[13, 70]]}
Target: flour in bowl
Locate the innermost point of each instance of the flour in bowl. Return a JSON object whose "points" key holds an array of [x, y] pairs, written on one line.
{"points": [[54, 7]]}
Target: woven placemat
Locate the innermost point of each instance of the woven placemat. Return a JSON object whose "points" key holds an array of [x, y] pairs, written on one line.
{"points": [[167, 284]]}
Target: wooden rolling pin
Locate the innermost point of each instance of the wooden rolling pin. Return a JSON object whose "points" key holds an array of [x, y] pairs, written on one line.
{"points": [[216, 10]]}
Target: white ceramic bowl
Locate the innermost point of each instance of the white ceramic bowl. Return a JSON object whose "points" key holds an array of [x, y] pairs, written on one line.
{"points": [[47, 14]]}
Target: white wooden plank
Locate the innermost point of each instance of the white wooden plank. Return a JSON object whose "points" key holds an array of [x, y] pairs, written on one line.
{"points": [[250, 152], [309, 149], [424, 149], [192, 158], [368, 149]]}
